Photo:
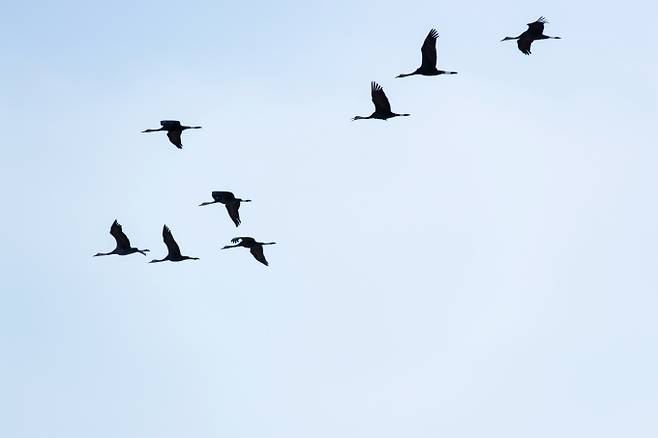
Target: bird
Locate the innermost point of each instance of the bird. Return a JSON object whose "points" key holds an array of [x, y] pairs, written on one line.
{"points": [[428, 66], [123, 243], [382, 106], [174, 130], [231, 202], [535, 32], [173, 254], [255, 248]]}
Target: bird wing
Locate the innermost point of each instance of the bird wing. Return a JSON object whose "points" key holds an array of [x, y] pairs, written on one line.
{"points": [[246, 240], [232, 208], [524, 43], [172, 246], [174, 137], [537, 27], [169, 124], [379, 98], [257, 252], [223, 196], [117, 232], [428, 50]]}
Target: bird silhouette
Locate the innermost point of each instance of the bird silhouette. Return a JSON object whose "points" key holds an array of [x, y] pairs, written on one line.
{"points": [[428, 65], [123, 243], [174, 130], [255, 248], [173, 254], [231, 202], [535, 32], [382, 106]]}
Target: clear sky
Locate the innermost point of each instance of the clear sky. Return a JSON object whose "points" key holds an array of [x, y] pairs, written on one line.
{"points": [[483, 268]]}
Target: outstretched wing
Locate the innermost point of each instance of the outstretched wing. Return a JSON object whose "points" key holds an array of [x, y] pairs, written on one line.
{"points": [[246, 240], [257, 252], [428, 50], [174, 137], [170, 124], [223, 197], [117, 232], [379, 98], [232, 208], [172, 246], [524, 43], [537, 27]]}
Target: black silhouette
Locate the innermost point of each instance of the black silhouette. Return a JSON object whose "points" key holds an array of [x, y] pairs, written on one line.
{"points": [[382, 106], [174, 130], [535, 32], [231, 202], [256, 248], [173, 254], [428, 66], [123, 244]]}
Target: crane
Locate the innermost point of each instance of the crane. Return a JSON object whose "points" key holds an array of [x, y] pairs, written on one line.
{"points": [[123, 243], [230, 201], [255, 248], [382, 106], [534, 32], [428, 52], [174, 130], [173, 254]]}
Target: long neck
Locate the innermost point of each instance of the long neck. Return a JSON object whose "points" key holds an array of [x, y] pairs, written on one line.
{"points": [[510, 38], [404, 75], [104, 253], [158, 261], [153, 130], [231, 246], [208, 203], [361, 117]]}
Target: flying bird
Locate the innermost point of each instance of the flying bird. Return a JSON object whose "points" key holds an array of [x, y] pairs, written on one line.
{"points": [[173, 254], [535, 32], [123, 244], [230, 201], [174, 130], [382, 106], [428, 65], [255, 248]]}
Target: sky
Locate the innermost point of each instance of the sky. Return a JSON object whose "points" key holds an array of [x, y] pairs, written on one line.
{"points": [[484, 267]]}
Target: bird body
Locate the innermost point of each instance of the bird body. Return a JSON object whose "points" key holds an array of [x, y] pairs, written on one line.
{"points": [[173, 254], [534, 32], [174, 130], [231, 202], [123, 243], [255, 248], [428, 52], [382, 105]]}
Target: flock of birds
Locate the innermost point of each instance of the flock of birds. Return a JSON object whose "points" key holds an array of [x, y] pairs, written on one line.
{"points": [[174, 129]]}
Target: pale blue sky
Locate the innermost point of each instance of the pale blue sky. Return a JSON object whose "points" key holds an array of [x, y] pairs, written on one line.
{"points": [[483, 268]]}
